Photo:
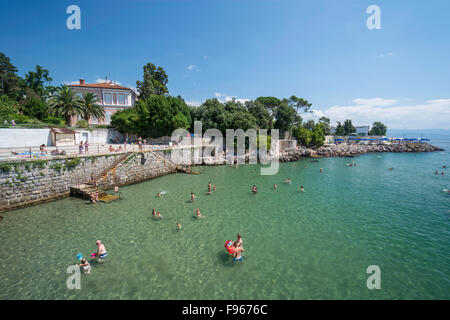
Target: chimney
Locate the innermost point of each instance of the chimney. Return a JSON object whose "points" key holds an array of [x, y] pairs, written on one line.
{"points": [[82, 81], [106, 79]]}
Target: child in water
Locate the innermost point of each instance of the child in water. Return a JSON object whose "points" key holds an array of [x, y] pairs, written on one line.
{"points": [[178, 226], [198, 214], [86, 266]]}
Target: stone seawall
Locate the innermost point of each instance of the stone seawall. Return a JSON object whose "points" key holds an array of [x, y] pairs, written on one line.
{"points": [[27, 182]]}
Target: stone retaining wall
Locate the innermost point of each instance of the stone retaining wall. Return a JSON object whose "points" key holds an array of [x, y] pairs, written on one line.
{"points": [[28, 181]]}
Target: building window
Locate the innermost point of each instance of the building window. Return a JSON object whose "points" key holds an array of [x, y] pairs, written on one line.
{"points": [[107, 98], [121, 99], [108, 117]]}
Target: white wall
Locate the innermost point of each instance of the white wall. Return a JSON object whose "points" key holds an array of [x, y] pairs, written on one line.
{"points": [[15, 138], [10, 138], [99, 136]]}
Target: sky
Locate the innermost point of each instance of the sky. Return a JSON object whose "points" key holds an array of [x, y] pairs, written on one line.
{"points": [[319, 50]]}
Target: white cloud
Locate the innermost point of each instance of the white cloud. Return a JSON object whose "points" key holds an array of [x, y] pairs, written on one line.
{"points": [[191, 67], [380, 102], [71, 82], [194, 103], [432, 114], [218, 94], [101, 80], [383, 55], [230, 98]]}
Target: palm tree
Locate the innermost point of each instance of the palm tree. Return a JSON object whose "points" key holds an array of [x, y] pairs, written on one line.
{"points": [[91, 108], [65, 103]]}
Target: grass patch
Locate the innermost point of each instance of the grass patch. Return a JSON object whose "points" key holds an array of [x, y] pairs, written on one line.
{"points": [[5, 167], [39, 164]]}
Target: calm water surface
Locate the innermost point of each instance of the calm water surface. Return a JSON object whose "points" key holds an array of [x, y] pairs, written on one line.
{"points": [[311, 245]]}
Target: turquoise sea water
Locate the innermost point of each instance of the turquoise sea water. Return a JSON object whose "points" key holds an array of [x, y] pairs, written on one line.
{"points": [[311, 245]]}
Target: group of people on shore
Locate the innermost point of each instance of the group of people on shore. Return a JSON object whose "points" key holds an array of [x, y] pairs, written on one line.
{"points": [[84, 146]]}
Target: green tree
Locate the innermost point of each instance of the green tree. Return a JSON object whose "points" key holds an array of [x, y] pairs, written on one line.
{"points": [[126, 121], [36, 80], [270, 103], [212, 114], [299, 104], [154, 82], [285, 116], [348, 127], [91, 108], [65, 103], [378, 129], [35, 108], [302, 135], [263, 118], [9, 81], [310, 124], [317, 137], [8, 108], [325, 125], [242, 120], [340, 131], [179, 121]]}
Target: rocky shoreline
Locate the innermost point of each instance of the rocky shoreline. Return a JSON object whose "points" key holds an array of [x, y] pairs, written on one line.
{"points": [[351, 150]]}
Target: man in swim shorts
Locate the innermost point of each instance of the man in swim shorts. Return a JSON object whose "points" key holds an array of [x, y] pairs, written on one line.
{"points": [[101, 251], [237, 253]]}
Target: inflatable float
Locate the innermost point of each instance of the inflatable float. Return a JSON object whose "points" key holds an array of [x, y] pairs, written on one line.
{"points": [[229, 247]]}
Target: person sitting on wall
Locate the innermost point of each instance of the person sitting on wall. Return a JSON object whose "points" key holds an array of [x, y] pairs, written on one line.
{"points": [[111, 149]]}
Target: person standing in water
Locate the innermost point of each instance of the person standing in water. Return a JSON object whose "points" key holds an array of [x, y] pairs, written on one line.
{"points": [[239, 241], [237, 253], [209, 187], [214, 187], [198, 214], [154, 213], [274, 185], [101, 251], [192, 197], [178, 226], [302, 189]]}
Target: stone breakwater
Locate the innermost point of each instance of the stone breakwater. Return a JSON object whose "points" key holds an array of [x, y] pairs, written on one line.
{"points": [[27, 182], [349, 150]]}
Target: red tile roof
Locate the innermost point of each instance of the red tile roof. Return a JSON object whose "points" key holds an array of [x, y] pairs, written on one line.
{"points": [[109, 85]]}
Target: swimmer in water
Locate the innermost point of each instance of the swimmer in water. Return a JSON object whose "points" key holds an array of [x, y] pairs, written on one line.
{"points": [[154, 213], [116, 189], [214, 187], [390, 169], [321, 170], [288, 181], [192, 197], [86, 266], [198, 214], [158, 195], [436, 172], [302, 189], [254, 190], [159, 216], [209, 187], [178, 226], [239, 241], [274, 185], [237, 253]]}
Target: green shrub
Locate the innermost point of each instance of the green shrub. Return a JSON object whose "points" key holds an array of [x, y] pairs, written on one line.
{"points": [[56, 166], [71, 164], [39, 164], [5, 167], [54, 120], [82, 123]]}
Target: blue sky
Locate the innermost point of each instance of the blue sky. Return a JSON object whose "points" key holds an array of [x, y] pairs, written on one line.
{"points": [[319, 50]]}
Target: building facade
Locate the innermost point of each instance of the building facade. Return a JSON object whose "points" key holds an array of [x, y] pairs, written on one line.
{"points": [[362, 131], [111, 96]]}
